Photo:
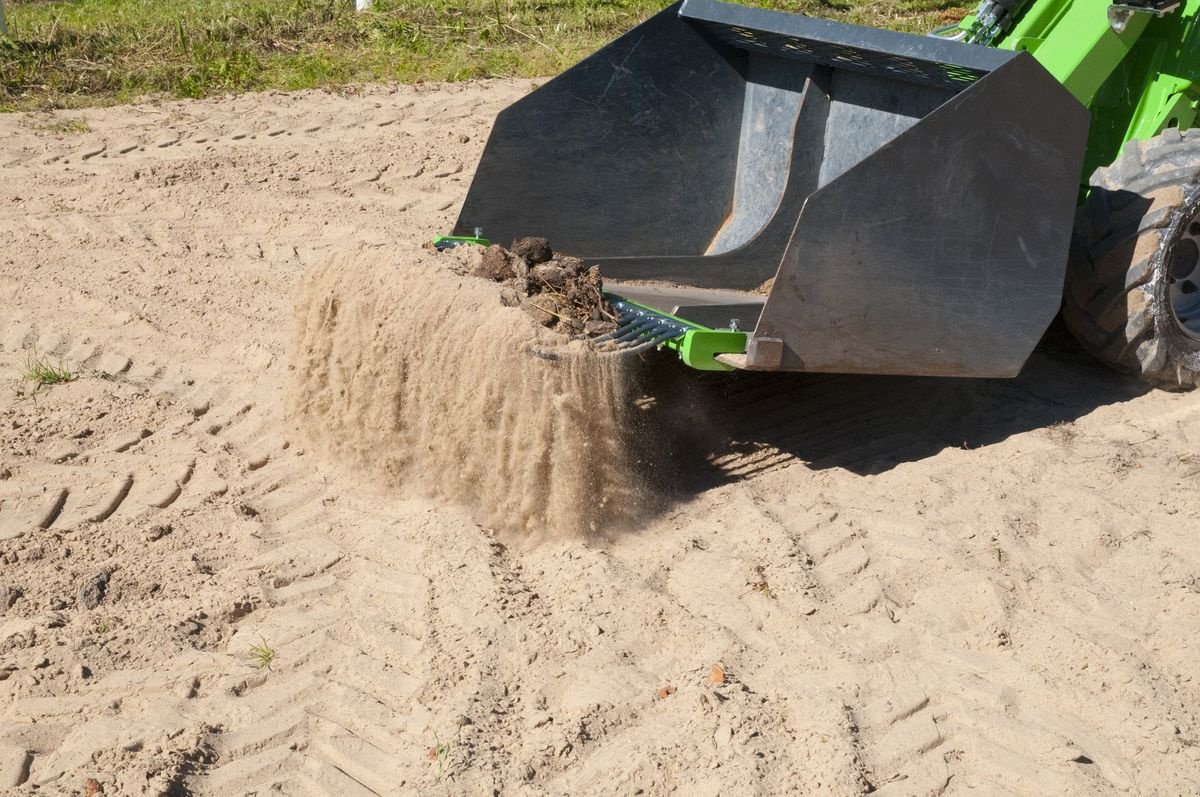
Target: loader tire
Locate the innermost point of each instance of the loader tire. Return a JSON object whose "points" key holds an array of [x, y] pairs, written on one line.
{"points": [[1132, 295]]}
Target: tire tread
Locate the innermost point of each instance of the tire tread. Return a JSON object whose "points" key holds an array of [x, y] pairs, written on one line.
{"points": [[1109, 301]]}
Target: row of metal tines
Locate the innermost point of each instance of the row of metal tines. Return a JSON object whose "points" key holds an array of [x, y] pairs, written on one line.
{"points": [[638, 328]]}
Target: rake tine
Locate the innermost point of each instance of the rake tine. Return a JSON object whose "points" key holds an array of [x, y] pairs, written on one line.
{"points": [[638, 329], [647, 326], [639, 347], [649, 344]]}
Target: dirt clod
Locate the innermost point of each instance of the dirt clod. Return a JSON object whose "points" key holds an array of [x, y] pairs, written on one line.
{"points": [[543, 309], [510, 298], [496, 264], [534, 250], [561, 293], [8, 597], [549, 276], [158, 531], [93, 590]]}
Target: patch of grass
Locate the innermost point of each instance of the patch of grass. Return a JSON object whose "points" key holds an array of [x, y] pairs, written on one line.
{"points": [[262, 655], [42, 372], [103, 626], [65, 126], [760, 584], [439, 752], [69, 53]]}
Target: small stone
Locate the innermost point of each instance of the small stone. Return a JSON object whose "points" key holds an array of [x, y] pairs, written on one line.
{"points": [[94, 788], [94, 589], [510, 298], [464, 139], [665, 692], [534, 250], [716, 676], [157, 532], [9, 596], [188, 688], [463, 721], [494, 265], [113, 364], [15, 762], [61, 452], [58, 604], [5, 474], [190, 627]]}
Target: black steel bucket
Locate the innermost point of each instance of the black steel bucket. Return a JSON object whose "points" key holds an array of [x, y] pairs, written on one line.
{"points": [[912, 198]]}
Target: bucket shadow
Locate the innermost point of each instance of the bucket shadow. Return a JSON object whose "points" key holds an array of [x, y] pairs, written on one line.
{"points": [[699, 430]]}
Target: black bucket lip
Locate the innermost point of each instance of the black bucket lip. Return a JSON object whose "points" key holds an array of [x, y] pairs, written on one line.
{"points": [[843, 45]]}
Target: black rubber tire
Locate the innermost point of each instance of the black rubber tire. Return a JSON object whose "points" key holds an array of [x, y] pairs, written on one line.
{"points": [[1117, 297]]}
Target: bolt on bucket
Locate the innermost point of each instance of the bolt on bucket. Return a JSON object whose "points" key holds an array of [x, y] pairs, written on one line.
{"points": [[859, 200]]}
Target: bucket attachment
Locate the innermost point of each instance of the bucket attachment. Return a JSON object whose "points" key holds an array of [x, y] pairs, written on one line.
{"points": [[858, 200]]}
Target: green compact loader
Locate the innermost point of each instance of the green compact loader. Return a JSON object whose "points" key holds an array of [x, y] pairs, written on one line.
{"points": [[772, 192]]}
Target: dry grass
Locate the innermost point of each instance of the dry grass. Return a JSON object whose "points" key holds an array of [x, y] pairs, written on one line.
{"points": [[74, 54]]}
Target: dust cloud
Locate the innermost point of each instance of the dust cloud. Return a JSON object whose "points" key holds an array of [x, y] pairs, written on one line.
{"points": [[417, 376]]}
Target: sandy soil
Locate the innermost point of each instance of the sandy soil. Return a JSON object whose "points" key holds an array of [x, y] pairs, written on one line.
{"points": [[859, 585]]}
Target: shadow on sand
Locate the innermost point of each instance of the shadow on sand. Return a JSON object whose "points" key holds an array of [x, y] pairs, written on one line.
{"points": [[699, 430]]}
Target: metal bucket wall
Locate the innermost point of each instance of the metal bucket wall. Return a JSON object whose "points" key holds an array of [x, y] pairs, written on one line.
{"points": [[718, 146]]}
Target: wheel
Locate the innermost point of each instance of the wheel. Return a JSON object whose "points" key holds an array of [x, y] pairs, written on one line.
{"points": [[1133, 281]]}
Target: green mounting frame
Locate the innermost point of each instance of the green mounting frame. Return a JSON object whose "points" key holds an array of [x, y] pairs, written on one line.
{"points": [[699, 348], [697, 345], [442, 242]]}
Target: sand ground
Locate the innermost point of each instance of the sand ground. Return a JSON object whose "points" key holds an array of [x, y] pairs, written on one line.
{"points": [[896, 586]]}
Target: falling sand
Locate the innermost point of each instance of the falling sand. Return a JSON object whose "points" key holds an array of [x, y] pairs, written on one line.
{"points": [[419, 376]]}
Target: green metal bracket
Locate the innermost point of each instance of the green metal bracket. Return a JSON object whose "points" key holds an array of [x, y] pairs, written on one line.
{"points": [[700, 347], [443, 242], [696, 345]]}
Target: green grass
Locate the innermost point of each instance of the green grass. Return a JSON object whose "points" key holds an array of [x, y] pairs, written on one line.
{"points": [[43, 373], [262, 656], [79, 53]]}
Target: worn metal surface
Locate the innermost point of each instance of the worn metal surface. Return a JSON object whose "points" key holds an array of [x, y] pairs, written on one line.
{"points": [[706, 307], [631, 152], [754, 262], [867, 112], [900, 56], [774, 92], [944, 252]]}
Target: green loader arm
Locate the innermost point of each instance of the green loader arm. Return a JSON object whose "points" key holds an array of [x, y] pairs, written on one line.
{"points": [[1133, 92]]}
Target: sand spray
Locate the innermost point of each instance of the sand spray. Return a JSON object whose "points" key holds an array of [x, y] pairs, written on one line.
{"points": [[417, 376]]}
